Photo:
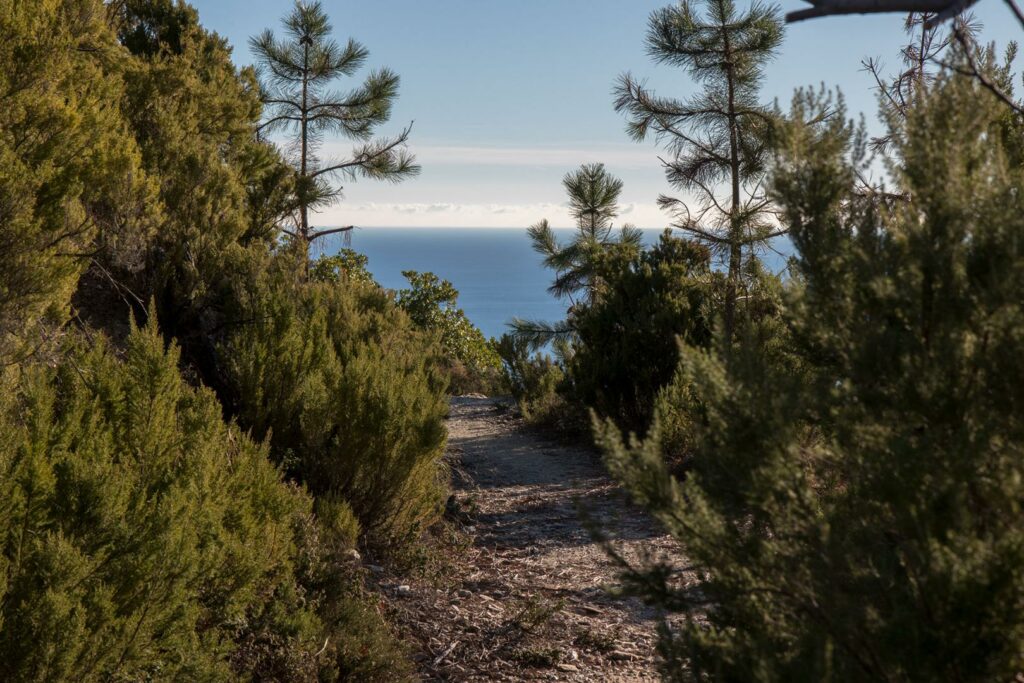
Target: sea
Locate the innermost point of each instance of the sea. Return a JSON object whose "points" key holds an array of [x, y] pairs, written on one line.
{"points": [[496, 271]]}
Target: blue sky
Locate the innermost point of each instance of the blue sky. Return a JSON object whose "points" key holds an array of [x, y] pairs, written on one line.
{"points": [[509, 96]]}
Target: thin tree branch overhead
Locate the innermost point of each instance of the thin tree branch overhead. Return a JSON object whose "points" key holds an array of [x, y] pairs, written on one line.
{"points": [[942, 9]]}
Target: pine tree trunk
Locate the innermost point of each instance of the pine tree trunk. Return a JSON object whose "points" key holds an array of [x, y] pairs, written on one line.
{"points": [[735, 229], [304, 201]]}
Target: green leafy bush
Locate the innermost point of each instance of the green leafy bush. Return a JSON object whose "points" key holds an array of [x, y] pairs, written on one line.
{"points": [[626, 348], [137, 529], [345, 266], [861, 520], [432, 303], [348, 392]]}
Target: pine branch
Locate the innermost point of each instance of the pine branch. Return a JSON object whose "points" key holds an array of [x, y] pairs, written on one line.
{"points": [[537, 334]]}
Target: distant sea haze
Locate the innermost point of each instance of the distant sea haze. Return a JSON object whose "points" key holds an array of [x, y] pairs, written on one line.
{"points": [[498, 274]]}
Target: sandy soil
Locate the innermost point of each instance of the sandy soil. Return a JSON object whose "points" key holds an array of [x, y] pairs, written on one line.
{"points": [[529, 601]]}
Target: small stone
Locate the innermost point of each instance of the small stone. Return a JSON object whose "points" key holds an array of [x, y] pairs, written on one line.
{"points": [[353, 555], [463, 593], [375, 568], [568, 667], [403, 590]]}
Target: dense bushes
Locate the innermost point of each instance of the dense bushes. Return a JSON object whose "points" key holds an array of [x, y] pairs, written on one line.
{"points": [[626, 341], [537, 382], [56, 80], [629, 306], [347, 390], [860, 520], [343, 387], [141, 536], [470, 361], [619, 348], [144, 538], [138, 530]]}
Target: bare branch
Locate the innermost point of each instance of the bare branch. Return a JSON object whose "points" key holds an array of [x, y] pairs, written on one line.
{"points": [[317, 234], [1016, 11], [943, 9]]}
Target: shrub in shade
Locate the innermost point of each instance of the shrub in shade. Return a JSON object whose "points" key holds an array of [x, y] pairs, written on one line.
{"points": [[860, 520], [627, 336]]}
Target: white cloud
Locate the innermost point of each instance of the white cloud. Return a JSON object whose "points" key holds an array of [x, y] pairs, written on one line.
{"points": [[453, 215]]}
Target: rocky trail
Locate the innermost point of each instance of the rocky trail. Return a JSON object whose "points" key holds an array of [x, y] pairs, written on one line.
{"points": [[527, 600]]}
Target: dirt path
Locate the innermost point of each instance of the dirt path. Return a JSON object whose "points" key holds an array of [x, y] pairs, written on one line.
{"points": [[529, 602]]}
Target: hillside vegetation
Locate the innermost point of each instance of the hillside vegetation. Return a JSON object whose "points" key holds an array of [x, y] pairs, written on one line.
{"points": [[217, 451]]}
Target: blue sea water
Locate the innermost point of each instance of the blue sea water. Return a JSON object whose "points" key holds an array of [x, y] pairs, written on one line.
{"points": [[496, 271]]}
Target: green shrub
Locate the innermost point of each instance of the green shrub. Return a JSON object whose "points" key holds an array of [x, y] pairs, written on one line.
{"points": [[348, 392], [345, 266], [678, 408], [57, 208], [472, 364], [626, 347], [142, 537], [862, 520], [223, 193], [355, 644], [137, 529], [336, 516], [537, 383]]}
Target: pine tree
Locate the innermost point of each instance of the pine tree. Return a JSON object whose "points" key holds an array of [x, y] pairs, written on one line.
{"points": [[298, 73], [861, 520], [927, 43], [718, 139], [593, 203]]}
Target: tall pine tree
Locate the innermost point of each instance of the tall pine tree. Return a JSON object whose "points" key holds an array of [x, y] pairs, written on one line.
{"points": [[717, 139], [298, 72]]}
